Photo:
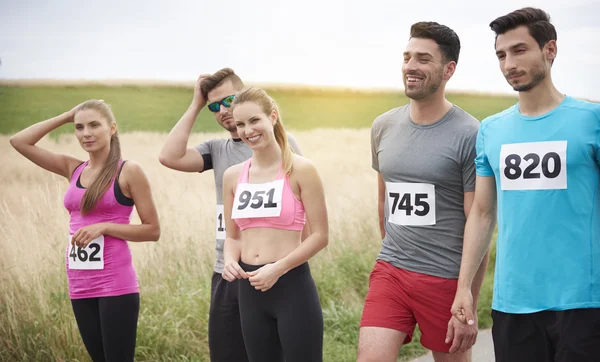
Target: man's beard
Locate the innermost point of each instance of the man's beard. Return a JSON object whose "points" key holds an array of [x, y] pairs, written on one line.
{"points": [[427, 89]]}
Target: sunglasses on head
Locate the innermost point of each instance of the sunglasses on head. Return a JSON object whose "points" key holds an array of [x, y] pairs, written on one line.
{"points": [[226, 102]]}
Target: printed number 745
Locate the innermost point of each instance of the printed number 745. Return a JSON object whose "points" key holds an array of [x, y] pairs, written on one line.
{"points": [[406, 204]]}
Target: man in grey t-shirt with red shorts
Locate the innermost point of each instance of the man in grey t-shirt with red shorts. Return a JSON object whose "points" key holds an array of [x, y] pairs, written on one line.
{"points": [[424, 154]]}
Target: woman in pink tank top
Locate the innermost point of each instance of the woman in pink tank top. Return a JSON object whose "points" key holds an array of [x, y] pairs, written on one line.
{"points": [[276, 220], [102, 191]]}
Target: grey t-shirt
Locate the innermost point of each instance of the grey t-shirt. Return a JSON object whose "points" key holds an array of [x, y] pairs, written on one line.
{"points": [[427, 170], [219, 154]]}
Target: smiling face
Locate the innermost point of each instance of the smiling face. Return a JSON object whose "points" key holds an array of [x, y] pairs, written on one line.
{"points": [[423, 68], [93, 130], [254, 127], [523, 63], [223, 116]]}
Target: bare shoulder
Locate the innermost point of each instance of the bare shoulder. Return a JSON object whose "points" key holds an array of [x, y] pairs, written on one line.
{"points": [[302, 164], [132, 172], [303, 170], [131, 167], [232, 173]]}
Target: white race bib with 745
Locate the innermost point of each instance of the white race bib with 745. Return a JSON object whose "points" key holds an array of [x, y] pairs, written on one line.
{"points": [[88, 258], [533, 166], [257, 200], [410, 203]]}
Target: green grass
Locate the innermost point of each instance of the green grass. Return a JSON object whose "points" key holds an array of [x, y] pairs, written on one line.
{"points": [[158, 108], [174, 313]]}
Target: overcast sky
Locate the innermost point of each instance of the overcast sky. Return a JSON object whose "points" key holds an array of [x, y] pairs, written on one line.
{"points": [[355, 43]]}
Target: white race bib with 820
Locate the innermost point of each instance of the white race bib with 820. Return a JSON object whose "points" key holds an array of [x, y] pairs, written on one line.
{"points": [[533, 166], [88, 258], [411, 203], [220, 222], [257, 200]]}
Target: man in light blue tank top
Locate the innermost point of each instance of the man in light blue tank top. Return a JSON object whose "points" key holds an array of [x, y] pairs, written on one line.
{"points": [[540, 162]]}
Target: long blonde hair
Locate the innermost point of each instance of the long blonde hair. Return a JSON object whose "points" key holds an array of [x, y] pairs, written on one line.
{"points": [[109, 170], [268, 105]]}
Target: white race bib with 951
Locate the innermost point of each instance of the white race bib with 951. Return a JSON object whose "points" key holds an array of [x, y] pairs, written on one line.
{"points": [[411, 203], [533, 166], [220, 222], [258, 200], [88, 258]]}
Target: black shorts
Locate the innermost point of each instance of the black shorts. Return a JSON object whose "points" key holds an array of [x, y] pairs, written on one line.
{"points": [[547, 336], [225, 339]]}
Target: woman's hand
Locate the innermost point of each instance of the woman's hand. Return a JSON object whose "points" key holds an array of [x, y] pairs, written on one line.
{"points": [[86, 234], [70, 115], [233, 271], [265, 277]]}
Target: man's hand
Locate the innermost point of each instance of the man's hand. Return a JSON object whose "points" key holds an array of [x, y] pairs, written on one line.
{"points": [[462, 336]]}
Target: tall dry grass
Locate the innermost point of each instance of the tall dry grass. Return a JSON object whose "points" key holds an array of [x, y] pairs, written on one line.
{"points": [[36, 321]]}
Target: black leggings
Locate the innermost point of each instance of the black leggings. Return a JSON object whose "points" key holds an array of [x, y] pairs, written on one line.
{"points": [[108, 326], [286, 321]]}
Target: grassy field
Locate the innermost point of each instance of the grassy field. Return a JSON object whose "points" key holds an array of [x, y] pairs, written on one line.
{"points": [[158, 108], [36, 320]]}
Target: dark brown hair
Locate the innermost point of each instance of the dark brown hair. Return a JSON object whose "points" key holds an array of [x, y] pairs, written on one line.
{"points": [[536, 20], [444, 37], [220, 77]]}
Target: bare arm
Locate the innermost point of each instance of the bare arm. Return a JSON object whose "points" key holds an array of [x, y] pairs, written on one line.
{"points": [[25, 143], [478, 279], [381, 203], [313, 198], [138, 187], [479, 209], [305, 231], [232, 249], [478, 232], [175, 154]]}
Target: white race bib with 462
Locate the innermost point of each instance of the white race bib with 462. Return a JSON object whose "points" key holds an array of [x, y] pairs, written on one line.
{"points": [[88, 258], [410, 203], [257, 200], [533, 166]]}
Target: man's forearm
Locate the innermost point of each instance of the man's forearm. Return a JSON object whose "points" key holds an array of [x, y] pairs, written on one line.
{"points": [[478, 234], [176, 144], [478, 279]]}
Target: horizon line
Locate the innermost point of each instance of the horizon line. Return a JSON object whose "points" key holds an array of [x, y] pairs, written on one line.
{"points": [[117, 82]]}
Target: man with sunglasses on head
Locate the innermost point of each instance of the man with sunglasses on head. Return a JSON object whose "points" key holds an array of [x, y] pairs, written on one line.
{"points": [[225, 339]]}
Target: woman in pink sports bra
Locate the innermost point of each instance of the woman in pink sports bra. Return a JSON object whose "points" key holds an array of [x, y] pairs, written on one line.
{"points": [[102, 191], [276, 220]]}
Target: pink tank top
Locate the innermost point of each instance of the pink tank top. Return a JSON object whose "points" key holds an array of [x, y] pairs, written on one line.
{"points": [[292, 216], [117, 276]]}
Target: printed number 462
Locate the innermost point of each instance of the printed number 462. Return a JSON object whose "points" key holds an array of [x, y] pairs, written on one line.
{"points": [[406, 203], [82, 255]]}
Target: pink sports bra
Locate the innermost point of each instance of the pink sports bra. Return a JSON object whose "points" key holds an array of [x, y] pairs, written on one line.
{"points": [[292, 216]]}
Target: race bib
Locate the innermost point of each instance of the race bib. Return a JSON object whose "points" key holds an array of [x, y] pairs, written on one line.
{"points": [[411, 203], [258, 200], [220, 222], [90, 257], [533, 166]]}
